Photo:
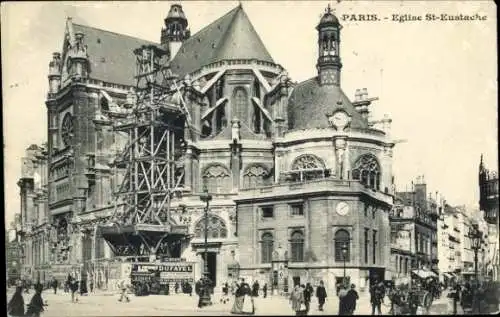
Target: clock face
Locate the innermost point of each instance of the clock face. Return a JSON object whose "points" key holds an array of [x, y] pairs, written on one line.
{"points": [[342, 208], [67, 129], [340, 119]]}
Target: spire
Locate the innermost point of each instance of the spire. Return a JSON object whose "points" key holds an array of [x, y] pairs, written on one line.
{"points": [[329, 63]]}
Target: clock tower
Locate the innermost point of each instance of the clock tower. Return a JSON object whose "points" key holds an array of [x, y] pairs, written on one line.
{"points": [[329, 64]]}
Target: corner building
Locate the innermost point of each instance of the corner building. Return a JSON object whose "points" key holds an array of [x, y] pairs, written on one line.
{"points": [[295, 171], [332, 188]]}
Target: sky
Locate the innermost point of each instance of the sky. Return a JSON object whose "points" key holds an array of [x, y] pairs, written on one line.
{"points": [[437, 80]]}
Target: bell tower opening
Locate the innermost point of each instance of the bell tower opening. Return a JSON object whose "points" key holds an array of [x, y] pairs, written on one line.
{"points": [[329, 63], [176, 30]]}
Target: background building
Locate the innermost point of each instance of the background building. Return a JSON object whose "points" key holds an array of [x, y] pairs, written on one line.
{"points": [[488, 202], [414, 230], [12, 257], [34, 216], [275, 156]]}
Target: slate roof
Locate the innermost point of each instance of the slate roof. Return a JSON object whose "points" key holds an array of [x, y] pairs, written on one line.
{"points": [[111, 54], [310, 102], [232, 36]]}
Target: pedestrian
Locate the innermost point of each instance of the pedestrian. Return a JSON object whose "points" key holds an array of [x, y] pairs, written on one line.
{"points": [[38, 286], [123, 293], [35, 307], [264, 290], [255, 289], [350, 300], [225, 292], [321, 295], [248, 301], [176, 287], [83, 286], [308, 292], [73, 286], [377, 292], [343, 307], [54, 285], [297, 301], [198, 288], [91, 285], [15, 307]]}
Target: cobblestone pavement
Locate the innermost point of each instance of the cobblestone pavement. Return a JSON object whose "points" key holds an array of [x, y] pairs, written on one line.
{"points": [[106, 304]]}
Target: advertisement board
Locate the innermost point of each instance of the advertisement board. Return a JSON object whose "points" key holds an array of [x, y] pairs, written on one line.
{"points": [[401, 237], [169, 272]]}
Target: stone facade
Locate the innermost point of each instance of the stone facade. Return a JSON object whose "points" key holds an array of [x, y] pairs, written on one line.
{"points": [[260, 140], [34, 216]]}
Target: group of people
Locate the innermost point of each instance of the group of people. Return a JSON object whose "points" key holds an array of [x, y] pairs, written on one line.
{"points": [[16, 306], [301, 295]]}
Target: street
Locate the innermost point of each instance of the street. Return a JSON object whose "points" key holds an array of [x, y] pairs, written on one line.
{"points": [[106, 304]]}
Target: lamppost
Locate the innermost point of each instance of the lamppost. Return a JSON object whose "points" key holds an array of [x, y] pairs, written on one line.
{"points": [[344, 255], [206, 283], [475, 236]]}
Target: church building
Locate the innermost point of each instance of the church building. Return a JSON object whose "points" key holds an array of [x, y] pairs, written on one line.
{"points": [[300, 178]]}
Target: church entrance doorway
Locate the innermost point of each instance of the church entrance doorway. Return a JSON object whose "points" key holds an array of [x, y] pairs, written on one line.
{"points": [[211, 258]]}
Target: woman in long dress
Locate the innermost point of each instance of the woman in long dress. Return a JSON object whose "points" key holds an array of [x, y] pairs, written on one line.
{"points": [[15, 307], [298, 301], [238, 299], [243, 303]]}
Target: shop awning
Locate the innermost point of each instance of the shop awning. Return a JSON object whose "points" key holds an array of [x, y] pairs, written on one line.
{"points": [[423, 274], [447, 275]]}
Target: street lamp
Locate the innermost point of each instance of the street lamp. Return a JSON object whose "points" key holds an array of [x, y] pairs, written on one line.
{"points": [[344, 255], [206, 283], [476, 237]]}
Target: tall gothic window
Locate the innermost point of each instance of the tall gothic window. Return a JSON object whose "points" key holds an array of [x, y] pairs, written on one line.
{"points": [[297, 246], [267, 245], [307, 167], [217, 179], [256, 88], [216, 228], [219, 89], [342, 241], [366, 245], [240, 104], [255, 176], [367, 171]]}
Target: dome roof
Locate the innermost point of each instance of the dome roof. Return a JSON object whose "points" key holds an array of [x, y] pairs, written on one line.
{"points": [[176, 12], [310, 102], [329, 18]]}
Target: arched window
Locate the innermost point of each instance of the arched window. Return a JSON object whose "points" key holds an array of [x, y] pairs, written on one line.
{"points": [[255, 176], [267, 245], [308, 166], [367, 171], [406, 266], [297, 246], [256, 88], [307, 162], [217, 179], [216, 228], [342, 241], [240, 104]]}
